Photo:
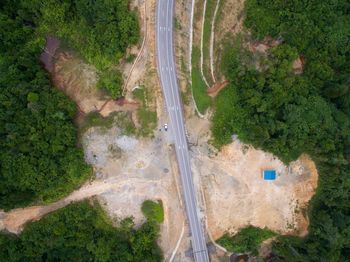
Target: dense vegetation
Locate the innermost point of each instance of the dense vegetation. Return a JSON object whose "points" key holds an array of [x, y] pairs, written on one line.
{"points": [[247, 239], [38, 158], [270, 107], [153, 211], [80, 232], [99, 30]]}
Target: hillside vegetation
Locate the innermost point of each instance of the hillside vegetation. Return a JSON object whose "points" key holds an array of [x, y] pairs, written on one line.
{"points": [[39, 160], [271, 107], [81, 232], [248, 239], [99, 30]]}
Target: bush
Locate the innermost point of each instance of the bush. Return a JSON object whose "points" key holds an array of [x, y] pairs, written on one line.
{"points": [[246, 240], [153, 211], [199, 88], [112, 82]]}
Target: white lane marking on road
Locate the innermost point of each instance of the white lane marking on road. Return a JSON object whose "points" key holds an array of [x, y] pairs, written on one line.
{"points": [[177, 125], [193, 216], [184, 156]]}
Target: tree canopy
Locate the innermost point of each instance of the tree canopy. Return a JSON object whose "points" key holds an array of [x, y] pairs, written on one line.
{"points": [[81, 232], [38, 158]]}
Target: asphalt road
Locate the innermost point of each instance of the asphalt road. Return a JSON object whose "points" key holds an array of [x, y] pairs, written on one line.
{"points": [[167, 72]]}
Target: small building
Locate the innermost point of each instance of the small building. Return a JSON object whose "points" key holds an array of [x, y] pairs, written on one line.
{"points": [[269, 174]]}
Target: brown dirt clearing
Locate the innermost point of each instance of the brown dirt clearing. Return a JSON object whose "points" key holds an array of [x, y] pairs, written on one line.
{"points": [[235, 193]]}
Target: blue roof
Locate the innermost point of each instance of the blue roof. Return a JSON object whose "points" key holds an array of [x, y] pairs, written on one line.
{"points": [[270, 174]]}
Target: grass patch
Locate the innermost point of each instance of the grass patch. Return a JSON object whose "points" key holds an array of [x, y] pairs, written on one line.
{"points": [[248, 240], [186, 96], [209, 15], [147, 117], [201, 98], [130, 58], [140, 94], [123, 120], [95, 119], [148, 121], [153, 211], [177, 24], [217, 43]]}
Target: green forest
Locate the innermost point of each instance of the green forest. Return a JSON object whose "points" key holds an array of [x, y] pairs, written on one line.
{"points": [[271, 107], [39, 160], [82, 232]]}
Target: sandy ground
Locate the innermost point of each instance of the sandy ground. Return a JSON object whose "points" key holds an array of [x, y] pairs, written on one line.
{"points": [[235, 193], [233, 182], [142, 169], [128, 171]]}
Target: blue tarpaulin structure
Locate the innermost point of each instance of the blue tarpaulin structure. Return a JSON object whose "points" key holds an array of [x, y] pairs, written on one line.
{"points": [[269, 174]]}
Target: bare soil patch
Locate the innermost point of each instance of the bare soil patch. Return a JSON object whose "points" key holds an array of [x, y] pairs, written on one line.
{"points": [[46, 58], [236, 194], [78, 81], [214, 90]]}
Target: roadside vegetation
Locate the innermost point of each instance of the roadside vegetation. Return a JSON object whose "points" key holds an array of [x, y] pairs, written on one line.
{"points": [[122, 119], [82, 232], [199, 88], [209, 17], [271, 107], [39, 160], [146, 116], [247, 240]]}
